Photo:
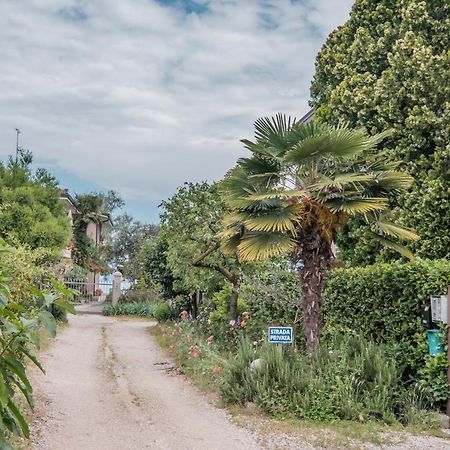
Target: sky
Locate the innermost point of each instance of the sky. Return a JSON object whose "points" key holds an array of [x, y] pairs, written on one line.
{"points": [[140, 96]]}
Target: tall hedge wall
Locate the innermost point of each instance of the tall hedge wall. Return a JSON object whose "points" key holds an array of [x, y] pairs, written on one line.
{"points": [[383, 301]]}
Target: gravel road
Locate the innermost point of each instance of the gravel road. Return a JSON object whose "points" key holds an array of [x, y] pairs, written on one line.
{"points": [[106, 387]]}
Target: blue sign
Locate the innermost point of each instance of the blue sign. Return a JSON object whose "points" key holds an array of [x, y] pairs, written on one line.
{"points": [[281, 335]]}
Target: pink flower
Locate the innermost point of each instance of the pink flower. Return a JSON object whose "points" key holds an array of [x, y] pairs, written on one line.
{"points": [[184, 314], [217, 370], [196, 355], [232, 323], [243, 324], [210, 339], [172, 346]]}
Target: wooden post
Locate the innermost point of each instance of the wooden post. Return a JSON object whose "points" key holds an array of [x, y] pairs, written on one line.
{"points": [[448, 346]]}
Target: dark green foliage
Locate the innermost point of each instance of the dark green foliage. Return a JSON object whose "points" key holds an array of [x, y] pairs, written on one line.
{"points": [[269, 296], [383, 302], [164, 312], [20, 329], [130, 309], [156, 268], [124, 244], [387, 68], [350, 378], [139, 295], [30, 210]]}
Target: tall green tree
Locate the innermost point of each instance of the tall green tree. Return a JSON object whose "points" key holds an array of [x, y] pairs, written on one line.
{"points": [[124, 244], [30, 210], [190, 222], [300, 185], [387, 67]]}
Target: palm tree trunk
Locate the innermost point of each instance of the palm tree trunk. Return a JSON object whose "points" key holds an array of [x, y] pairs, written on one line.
{"points": [[234, 299], [315, 256]]}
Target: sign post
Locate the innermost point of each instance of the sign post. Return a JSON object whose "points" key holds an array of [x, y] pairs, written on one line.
{"points": [[281, 335]]}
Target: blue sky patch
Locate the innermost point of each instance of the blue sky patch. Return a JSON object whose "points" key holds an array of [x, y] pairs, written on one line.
{"points": [[188, 6], [74, 13]]}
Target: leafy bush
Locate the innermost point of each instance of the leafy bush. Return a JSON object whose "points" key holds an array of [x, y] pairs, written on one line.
{"points": [[350, 379], [269, 296], [19, 332], [130, 309], [138, 295], [164, 312], [383, 302]]}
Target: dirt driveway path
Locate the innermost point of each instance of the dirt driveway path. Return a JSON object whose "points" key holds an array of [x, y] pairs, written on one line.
{"points": [[105, 389]]}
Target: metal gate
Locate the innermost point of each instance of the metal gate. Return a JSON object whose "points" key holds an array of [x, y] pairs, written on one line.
{"points": [[90, 291]]}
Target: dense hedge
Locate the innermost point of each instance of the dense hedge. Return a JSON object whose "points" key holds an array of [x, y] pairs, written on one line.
{"points": [[383, 302]]}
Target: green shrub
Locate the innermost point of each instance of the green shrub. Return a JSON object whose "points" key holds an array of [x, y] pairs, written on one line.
{"points": [[138, 295], [349, 379], [130, 309], [383, 302], [20, 329], [164, 312]]}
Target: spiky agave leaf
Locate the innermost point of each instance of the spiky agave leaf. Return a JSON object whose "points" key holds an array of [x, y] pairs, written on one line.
{"points": [[257, 246]]}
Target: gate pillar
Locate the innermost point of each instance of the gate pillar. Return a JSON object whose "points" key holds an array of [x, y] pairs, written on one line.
{"points": [[117, 287]]}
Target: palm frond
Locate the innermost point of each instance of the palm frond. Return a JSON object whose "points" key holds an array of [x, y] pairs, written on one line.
{"points": [[403, 250], [274, 220], [274, 132], [257, 246], [398, 231], [256, 165], [229, 244], [340, 181], [354, 206], [340, 142], [393, 180], [282, 194]]}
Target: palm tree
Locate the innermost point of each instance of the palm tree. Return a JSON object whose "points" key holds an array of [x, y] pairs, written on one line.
{"points": [[301, 184]]}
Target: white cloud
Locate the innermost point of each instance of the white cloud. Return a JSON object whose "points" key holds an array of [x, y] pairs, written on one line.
{"points": [[141, 96]]}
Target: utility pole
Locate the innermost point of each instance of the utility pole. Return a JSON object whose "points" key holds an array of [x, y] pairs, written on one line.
{"points": [[17, 146]]}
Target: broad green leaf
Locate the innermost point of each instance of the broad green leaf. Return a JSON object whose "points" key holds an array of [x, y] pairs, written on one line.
{"points": [[21, 420], [49, 322], [17, 368], [4, 397], [65, 305]]}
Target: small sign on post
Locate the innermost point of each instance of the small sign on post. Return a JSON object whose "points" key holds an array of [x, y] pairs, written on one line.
{"points": [[281, 335]]}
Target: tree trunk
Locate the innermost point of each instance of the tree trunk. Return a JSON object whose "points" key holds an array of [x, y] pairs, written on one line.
{"points": [[234, 299], [313, 256]]}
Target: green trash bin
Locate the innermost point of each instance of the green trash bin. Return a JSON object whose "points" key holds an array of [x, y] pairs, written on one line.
{"points": [[435, 342]]}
